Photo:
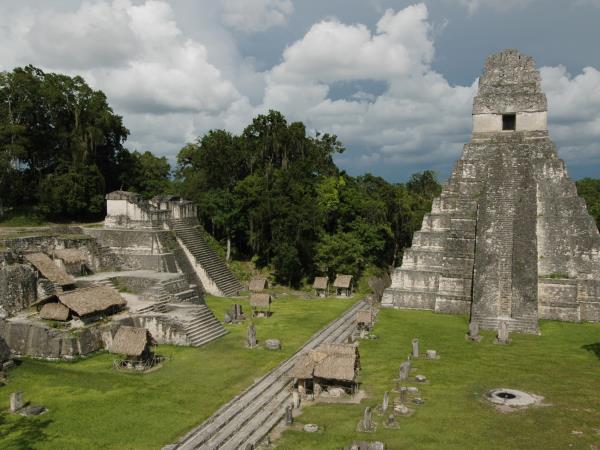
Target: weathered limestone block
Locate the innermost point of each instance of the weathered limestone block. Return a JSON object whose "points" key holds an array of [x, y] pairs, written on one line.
{"points": [[18, 286], [40, 341]]}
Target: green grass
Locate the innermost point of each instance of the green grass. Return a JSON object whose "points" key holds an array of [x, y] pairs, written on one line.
{"points": [[563, 365], [22, 220], [93, 406]]}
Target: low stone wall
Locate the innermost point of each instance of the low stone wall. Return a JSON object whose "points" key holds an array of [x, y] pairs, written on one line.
{"points": [[135, 285], [40, 341], [142, 262], [165, 329], [141, 241], [97, 258], [137, 249]]}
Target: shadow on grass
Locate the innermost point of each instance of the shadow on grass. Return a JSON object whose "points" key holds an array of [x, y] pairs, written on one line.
{"points": [[22, 432], [595, 348]]}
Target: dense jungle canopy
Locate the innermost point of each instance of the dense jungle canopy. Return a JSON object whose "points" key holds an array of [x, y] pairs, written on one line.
{"points": [[273, 192]]}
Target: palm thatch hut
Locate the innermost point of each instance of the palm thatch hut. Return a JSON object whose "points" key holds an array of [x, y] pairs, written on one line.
{"points": [[364, 319], [258, 284], [133, 342], [343, 285], [92, 302], [49, 270], [321, 286], [55, 311], [327, 366], [71, 260], [261, 305]]}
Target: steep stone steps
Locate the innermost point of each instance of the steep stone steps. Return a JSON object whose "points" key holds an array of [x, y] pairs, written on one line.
{"points": [[522, 324], [217, 271], [160, 306], [204, 327]]}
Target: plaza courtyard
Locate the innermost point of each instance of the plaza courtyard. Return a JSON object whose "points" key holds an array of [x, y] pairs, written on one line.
{"points": [[92, 405]]}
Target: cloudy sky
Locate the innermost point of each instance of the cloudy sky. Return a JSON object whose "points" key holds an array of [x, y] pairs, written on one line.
{"points": [[393, 79]]}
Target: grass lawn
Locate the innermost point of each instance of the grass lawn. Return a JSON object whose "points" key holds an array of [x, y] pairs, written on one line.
{"points": [[563, 365], [93, 406]]}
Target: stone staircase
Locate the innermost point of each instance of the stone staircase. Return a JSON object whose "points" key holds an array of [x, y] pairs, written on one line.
{"points": [[190, 234], [204, 327], [160, 307], [526, 324], [436, 270]]}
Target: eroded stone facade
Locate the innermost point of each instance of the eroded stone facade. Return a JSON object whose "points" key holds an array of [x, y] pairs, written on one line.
{"points": [[508, 239]]}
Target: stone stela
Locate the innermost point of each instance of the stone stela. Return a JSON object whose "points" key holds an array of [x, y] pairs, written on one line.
{"points": [[404, 371], [508, 240], [16, 401], [251, 336], [503, 334], [415, 348]]}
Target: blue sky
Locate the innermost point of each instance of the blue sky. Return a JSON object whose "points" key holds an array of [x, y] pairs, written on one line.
{"points": [[393, 79]]}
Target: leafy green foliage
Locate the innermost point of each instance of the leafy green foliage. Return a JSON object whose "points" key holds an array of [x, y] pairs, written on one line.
{"points": [[73, 194], [145, 174], [277, 196], [589, 189], [61, 148]]}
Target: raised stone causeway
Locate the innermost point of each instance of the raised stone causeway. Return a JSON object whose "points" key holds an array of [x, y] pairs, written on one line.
{"points": [[508, 239]]}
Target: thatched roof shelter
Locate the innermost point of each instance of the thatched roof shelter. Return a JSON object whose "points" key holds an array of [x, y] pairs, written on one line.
{"points": [[260, 300], [70, 255], [131, 341], [342, 281], [364, 316], [320, 283], [304, 367], [95, 299], [55, 311], [258, 284], [49, 269], [329, 361]]}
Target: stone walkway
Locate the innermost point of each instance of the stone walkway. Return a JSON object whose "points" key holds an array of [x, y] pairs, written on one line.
{"points": [[249, 417]]}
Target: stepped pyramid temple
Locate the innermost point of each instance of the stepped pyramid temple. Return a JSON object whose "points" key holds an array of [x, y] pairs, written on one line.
{"points": [[508, 239], [148, 266]]}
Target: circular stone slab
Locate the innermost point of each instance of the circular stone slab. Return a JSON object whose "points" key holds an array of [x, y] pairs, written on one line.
{"points": [[311, 428], [511, 397]]}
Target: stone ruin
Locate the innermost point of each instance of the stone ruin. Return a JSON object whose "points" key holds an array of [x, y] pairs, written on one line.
{"points": [[163, 234], [508, 240], [154, 251]]}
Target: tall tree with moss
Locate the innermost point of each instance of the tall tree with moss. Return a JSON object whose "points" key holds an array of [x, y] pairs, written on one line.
{"points": [[54, 129]]}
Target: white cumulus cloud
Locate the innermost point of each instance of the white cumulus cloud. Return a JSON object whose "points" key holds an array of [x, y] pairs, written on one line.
{"points": [[256, 15], [417, 110], [372, 86], [500, 5], [152, 73]]}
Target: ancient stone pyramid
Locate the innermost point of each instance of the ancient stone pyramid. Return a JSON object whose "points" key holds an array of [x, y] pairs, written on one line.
{"points": [[508, 238]]}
